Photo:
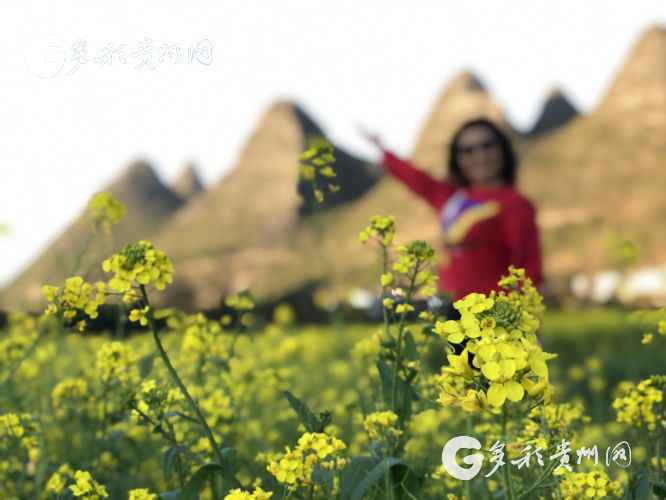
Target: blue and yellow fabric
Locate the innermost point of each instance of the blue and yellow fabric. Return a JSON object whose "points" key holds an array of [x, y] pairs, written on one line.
{"points": [[460, 213]]}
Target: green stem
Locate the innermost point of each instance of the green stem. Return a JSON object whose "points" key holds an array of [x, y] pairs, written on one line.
{"points": [[549, 470], [170, 439], [508, 484], [384, 271], [26, 354], [401, 327], [387, 481], [658, 453], [41, 333], [468, 484], [176, 378]]}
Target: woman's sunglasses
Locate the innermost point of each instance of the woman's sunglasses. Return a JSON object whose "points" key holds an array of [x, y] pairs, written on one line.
{"points": [[484, 146]]}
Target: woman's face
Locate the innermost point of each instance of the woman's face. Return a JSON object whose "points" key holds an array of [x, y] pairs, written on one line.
{"points": [[480, 156]]}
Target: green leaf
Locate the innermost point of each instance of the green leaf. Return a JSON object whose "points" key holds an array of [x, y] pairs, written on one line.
{"points": [[312, 422], [386, 378], [170, 495], [353, 473], [170, 459], [411, 352], [146, 364], [324, 478], [638, 487], [199, 480], [376, 474], [404, 394], [643, 489], [229, 457], [659, 489]]}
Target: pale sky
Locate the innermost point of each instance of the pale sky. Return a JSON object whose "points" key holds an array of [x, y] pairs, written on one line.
{"points": [[67, 132]]}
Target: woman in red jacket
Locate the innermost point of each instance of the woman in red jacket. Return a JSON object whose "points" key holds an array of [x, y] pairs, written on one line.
{"points": [[486, 223]]}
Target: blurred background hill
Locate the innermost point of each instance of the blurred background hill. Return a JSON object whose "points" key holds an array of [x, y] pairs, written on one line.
{"points": [[590, 175]]}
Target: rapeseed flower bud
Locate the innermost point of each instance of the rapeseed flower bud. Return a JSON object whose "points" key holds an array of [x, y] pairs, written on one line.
{"points": [[137, 265], [315, 166], [105, 210], [381, 228], [382, 424]]}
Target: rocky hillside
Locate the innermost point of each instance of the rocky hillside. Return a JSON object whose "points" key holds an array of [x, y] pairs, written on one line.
{"points": [[556, 112], [604, 172], [240, 230]]}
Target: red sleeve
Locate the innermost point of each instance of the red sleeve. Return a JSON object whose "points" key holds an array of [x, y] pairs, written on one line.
{"points": [[522, 236], [432, 190]]}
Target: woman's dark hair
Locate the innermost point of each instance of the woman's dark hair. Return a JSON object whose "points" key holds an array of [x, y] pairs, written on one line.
{"points": [[510, 166]]}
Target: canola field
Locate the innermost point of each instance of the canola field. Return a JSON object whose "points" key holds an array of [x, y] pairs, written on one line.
{"points": [[508, 401]]}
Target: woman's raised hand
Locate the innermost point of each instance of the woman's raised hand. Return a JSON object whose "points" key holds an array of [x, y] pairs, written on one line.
{"points": [[371, 137]]}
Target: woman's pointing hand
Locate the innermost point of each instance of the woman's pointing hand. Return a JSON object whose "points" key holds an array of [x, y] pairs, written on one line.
{"points": [[371, 137]]}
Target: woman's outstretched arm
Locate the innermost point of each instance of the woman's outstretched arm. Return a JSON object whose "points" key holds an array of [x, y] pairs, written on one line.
{"points": [[432, 190]]}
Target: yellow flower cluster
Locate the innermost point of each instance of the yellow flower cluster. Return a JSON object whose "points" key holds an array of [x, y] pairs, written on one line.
{"points": [[10, 426], [152, 401], [203, 338], [519, 289], [71, 390], [86, 487], [382, 424], [284, 314], [314, 449], [137, 265], [656, 316], [19, 452], [105, 210], [77, 295], [116, 362], [545, 426], [139, 315], [142, 494], [500, 331], [316, 166], [642, 405], [241, 301], [257, 494], [19, 335], [218, 408], [416, 259], [381, 227], [595, 484], [59, 479]]}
